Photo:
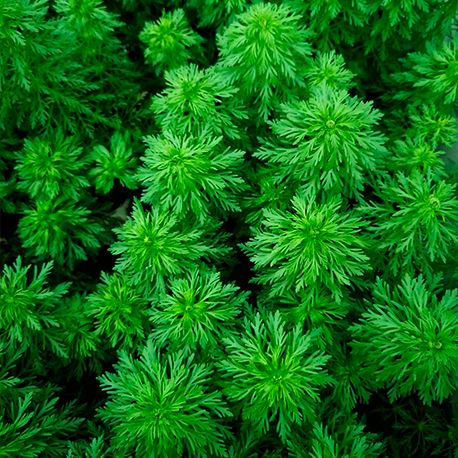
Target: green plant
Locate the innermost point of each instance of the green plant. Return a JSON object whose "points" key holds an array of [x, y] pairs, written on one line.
{"points": [[116, 163], [197, 312], [328, 68], [152, 247], [119, 311], [28, 306], [214, 12], [198, 102], [329, 142], [315, 308], [76, 331], [171, 407], [431, 76], [191, 176], [334, 21], [52, 64], [62, 230], [170, 41], [274, 374], [51, 167], [228, 228], [417, 155], [308, 245], [264, 50], [32, 423], [346, 439], [415, 221], [408, 339]]}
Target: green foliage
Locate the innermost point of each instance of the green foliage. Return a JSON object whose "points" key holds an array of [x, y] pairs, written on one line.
{"points": [[76, 332], [32, 424], [152, 246], [191, 176], [263, 50], [228, 228], [415, 221], [117, 163], [345, 440], [431, 76], [170, 41], [328, 142], [51, 64], [417, 156], [89, 19], [28, 306], [7, 184], [421, 429], [119, 311], [163, 407], [215, 12], [197, 312], [309, 244], [33, 420], [408, 339], [334, 21], [328, 68], [62, 230], [267, 192], [351, 386], [93, 449], [274, 374], [315, 308], [51, 167], [198, 101], [428, 123]]}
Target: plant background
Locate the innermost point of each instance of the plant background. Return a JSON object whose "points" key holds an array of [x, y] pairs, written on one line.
{"points": [[268, 360]]}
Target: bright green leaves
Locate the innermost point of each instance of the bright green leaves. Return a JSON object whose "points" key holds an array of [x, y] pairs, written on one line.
{"points": [[56, 223], [76, 331], [332, 21], [114, 163], [408, 339], [95, 448], [264, 50], [170, 41], [89, 19], [431, 76], [328, 142], [274, 373], [417, 156], [32, 423], [197, 312], [416, 222], [191, 177], [200, 102], [52, 166], [429, 124], [310, 245], [268, 192], [215, 12], [288, 168], [119, 312], [163, 407], [28, 305], [60, 229], [315, 308], [344, 439], [153, 246], [62, 66], [329, 68]]}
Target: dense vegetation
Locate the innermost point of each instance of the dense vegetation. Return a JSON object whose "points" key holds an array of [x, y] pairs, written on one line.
{"points": [[228, 228]]}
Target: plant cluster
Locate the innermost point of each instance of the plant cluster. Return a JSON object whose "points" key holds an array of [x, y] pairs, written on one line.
{"points": [[228, 228]]}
